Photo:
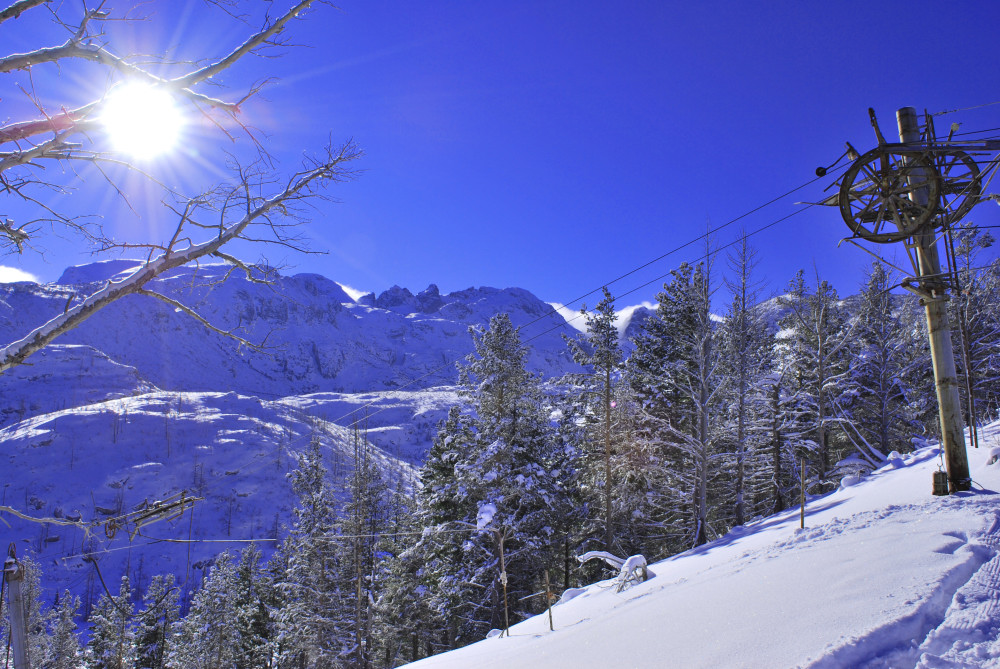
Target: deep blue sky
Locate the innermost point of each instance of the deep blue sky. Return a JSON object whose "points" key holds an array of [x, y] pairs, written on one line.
{"points": [[558, 145]]}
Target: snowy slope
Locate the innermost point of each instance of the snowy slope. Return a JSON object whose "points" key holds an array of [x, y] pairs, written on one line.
{"points": [[400, 423], [883, 575], [94, 463]]}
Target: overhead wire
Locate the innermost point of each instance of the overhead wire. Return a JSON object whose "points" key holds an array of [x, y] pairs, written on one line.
{"points": [[686, 244], [952, 111], [625, 275], [330, 538]]}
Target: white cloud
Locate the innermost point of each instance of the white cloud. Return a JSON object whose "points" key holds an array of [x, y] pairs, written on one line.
{"points": [[572, 316], [624, 316], [13, 275], [353, 293]]}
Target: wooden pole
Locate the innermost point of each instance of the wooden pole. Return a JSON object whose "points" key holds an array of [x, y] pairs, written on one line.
{"points": [[13, 573], [938, 331], [503, 580], [802, 493], [548, 600]]}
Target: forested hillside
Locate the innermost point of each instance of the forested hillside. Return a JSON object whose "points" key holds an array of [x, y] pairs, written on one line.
{"points": [[699, 424]]}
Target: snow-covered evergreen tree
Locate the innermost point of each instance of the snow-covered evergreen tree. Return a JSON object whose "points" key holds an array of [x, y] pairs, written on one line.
{"points": [[360, 526], [155, 623], [255, 597], [976, 315], [599, 351], [745, 349], [814, 347], [312, 631], [674, 374], [402, 615], [112, 631], [500, 458], [881, 417], [432, 607], [208, 637], [65, 644]]}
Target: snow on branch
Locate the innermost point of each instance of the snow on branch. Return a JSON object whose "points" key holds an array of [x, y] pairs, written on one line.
{"points": [[631, 570]]}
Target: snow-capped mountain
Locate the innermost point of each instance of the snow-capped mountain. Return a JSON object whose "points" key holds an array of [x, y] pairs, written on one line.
{"points": [[312, 336]]}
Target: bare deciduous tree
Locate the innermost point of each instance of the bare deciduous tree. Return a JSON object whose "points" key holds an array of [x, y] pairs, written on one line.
{"points": [[48, 152]]}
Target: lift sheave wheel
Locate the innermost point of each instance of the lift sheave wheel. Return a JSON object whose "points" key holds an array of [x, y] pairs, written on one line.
{"points": [[961, 184], [887, 197]]}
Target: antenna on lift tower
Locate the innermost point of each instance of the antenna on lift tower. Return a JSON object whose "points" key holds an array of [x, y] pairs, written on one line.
{"points": [[911, 191]]}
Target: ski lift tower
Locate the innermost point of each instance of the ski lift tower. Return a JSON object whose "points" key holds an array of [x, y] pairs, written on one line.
{"points": [[913, 191]]}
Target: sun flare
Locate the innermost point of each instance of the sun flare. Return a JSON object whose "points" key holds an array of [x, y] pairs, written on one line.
{"points": [[141, 120]]}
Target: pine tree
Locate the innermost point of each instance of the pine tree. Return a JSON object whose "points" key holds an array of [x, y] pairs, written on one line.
{"points": [[112, 632], [443, 502], [361, 524], [255, 598], [511, 472], [976, 320], [601, 352], [155, 623], [675, 376], [402, 611], [501, 458], [746, 348], [310, 623], [882, 421], [65, 647], [814, 344], [208, 636]]}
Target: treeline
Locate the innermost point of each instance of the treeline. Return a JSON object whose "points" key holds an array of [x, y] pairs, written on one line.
{"points": [[697, 425]]}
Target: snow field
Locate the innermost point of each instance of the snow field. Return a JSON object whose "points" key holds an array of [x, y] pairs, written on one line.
{"points": [[883, 575]]}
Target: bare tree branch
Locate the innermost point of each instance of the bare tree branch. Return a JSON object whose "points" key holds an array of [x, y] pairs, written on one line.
{"points": [[18, 8], [248, 46], [231, 334], [303, 184]]}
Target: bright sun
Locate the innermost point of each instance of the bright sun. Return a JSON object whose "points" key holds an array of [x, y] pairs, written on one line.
{"points": [[141, 120]]}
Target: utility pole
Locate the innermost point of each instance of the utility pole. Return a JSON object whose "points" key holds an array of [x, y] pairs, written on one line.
{"points": [[13, 574], [934, 299]]}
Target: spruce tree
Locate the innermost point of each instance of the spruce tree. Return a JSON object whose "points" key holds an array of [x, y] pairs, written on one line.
{"points": [[361, 523], [881, 419], [746, 347], [65, 644], [814, 345], [255, 597], [112, 631], [675, 376], [501, 457], [508, 469], [311, 624], [208, 636], [155, 623], [599, 350], [976, 320]]}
